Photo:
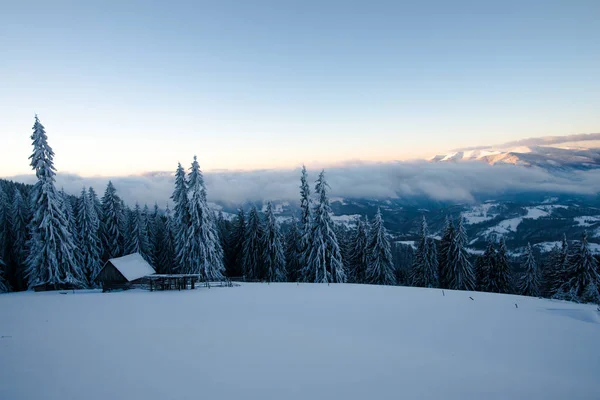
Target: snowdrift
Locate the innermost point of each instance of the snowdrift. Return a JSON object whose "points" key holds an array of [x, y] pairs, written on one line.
{"points": [[288, 341]]}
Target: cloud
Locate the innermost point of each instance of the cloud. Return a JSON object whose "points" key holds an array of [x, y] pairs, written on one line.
{"points": [[539, 141], [444, 182]]}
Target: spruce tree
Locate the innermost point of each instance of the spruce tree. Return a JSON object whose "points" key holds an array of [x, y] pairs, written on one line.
{"points": [[324, 263], [181, 218], [236, 238], [306, 218], [112, 218], [499, 279], [4, 225], [461, 275], [273, 256], [202, 252], [89, 242], [584, 277], [556, 273], [19, 220], [166, 243], [293, 251], [149, 233], [380, 268], [138, 241], [484, 267], [4, 286], [530, 283], [253, 246], [424, 272], [444, 254], [359, 259], [51, 259]]}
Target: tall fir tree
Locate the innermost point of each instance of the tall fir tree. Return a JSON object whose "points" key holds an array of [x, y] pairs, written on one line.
{"points": [[4, 225], [138, 241], [359, 259], [148, 225], [19, 220], [444, 253], [181, 218], [4, 286], [202, 250], [583, 275], [90, 246], [484, 266], [293, 251], [273, 255], [51, 259], [112, 218], [499, 277], [166, 243], [236, 238], [424, 270], [253, 246], [529, 285], [380, 268], [557, 271], [306, 218], [461, 275], [324, 263]]}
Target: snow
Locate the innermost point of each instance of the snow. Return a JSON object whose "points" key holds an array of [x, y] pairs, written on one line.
{"points": [[132, 266], [410, 243], [511, 225], [288, 341], [348, 220], [587, 220], [479, 214]]}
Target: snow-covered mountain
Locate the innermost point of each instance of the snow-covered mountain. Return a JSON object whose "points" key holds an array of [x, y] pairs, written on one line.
{"points": [[564, 152]]}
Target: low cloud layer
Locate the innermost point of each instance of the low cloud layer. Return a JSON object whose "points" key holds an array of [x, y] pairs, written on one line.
{"points": [[445, 182]]}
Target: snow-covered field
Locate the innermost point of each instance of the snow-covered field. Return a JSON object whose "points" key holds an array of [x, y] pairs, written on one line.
{"points": [[288, 341]]}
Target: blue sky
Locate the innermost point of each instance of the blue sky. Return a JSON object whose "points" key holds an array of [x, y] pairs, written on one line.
{"points": [[128, 87]]}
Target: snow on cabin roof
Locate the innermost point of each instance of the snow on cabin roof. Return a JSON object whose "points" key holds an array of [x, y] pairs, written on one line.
{"points": [[132, 266]]}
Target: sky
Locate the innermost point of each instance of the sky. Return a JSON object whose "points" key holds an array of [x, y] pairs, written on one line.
{"points": [[127, 87]]}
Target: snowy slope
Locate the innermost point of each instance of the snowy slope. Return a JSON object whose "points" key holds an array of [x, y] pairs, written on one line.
{"points": [[288, 341]]}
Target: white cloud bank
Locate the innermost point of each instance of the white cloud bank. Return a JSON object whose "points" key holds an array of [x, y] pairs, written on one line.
{"points": [[437, 181]]}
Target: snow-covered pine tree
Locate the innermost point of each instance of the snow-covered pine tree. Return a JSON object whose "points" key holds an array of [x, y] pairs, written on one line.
{"points": [[359, 259], [202, 251], [529, 284], [484, 267], [69, 211], [4, 286], [90, 247], [380, 268], [181, 218], [293, 251], [96, 202], [423, 273], [253, 246], [582, 274], [306, 218], [4, 227], [236, 238], [51, 260], [148, 225], [138, 241], [444, 253], [324, 263], [166, 243], [112, 219], [19, 220], [156, 228], [273, 256], [499, 279], [461, 275], [433, 261]]}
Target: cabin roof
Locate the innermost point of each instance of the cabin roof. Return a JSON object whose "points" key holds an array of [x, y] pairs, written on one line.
{"points": [[132, 266]]}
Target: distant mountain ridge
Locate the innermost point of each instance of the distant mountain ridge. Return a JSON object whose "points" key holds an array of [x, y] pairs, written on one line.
{"points": [[579, 152]]}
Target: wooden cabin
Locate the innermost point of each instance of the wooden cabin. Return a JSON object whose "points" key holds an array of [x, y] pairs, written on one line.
{"points": [[124, 272]]}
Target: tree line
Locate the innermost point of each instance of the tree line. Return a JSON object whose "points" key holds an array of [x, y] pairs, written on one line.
{"points": [[48, 237]]}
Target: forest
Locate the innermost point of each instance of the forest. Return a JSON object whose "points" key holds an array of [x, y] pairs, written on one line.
{"points": [[54, 239]]}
